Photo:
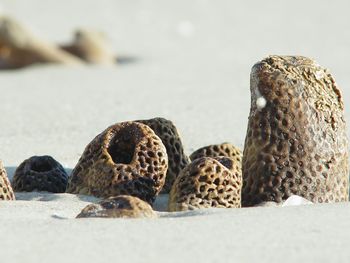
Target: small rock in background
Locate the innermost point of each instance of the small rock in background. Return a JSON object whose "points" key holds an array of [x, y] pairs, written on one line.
{"points": [[92, 47], [20, 47]]}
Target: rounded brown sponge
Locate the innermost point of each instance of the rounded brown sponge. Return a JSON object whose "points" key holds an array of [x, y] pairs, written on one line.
{"points": [[170, 137], [205, 183], [123, 206], [296, 140], [127, 158], [40, 173], [216, 150], [6, 192]]}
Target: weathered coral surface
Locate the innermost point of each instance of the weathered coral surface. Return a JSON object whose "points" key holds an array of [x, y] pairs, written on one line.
{"points": [[40, 173], [170, 137], [122, 206], [216, 150], [207, 183], [296, 141], [6, 192], [127, 158]]}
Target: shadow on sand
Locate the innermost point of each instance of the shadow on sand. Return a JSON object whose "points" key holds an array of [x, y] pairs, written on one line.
{"points": [[45, 196], [159, 205]]}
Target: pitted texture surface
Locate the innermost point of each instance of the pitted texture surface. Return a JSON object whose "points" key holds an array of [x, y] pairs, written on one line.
{"points": [[127, 158], [207, 183], [122, 206], [296, 139], [216, 150], [40, 173], [6, 192], [170, 137]]}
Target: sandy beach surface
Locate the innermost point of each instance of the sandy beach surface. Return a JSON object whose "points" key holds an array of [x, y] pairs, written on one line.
{"points": [[188, 61]]}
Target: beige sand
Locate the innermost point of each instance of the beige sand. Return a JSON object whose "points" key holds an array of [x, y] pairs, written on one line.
{"points": [[45, 229]]}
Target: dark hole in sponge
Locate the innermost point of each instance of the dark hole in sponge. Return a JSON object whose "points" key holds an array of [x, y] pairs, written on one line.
{"points": [[122, 146]]}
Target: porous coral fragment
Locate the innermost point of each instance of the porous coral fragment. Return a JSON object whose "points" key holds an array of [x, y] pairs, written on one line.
{"points": [[6, 192], [127, 158], [122, 206], [40, 173], [224, 149], [297, 143], [207, 183], [170, 137]]}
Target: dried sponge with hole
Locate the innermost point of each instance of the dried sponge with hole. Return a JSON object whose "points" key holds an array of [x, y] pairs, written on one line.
{"points": [[207, 183], [224, 149], [296, 142], [170, 137], [127, 158], [122, 206], [6, 192], [40, 173]]}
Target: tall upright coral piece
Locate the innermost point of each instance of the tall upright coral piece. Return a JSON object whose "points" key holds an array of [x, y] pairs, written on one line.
{"points": [[296, 141]]}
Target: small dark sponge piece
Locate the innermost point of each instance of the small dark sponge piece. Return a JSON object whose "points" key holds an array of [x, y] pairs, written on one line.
{"points": [[224, 149], [207, 183], [127, 158], [170, 137], [40, 173], [122, 206], [296, 142], [6, 192]]}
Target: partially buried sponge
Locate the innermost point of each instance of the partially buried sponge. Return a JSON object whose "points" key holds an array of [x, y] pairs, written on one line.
{"points": [[127, 158], [207, 183], [122, 206], [170, 137], [6, 192], [296, 141], [40, 173], [216, 150]]}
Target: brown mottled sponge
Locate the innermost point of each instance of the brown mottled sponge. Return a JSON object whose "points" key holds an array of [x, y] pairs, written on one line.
{"points": [[6, 192], [40, 173], [127, 158], [206, 183], [122, 206], [296, 140], [216, 150], [170, 137]]}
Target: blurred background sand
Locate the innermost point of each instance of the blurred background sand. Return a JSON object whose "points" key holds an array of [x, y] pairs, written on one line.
{"points": [[192, 61]]}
